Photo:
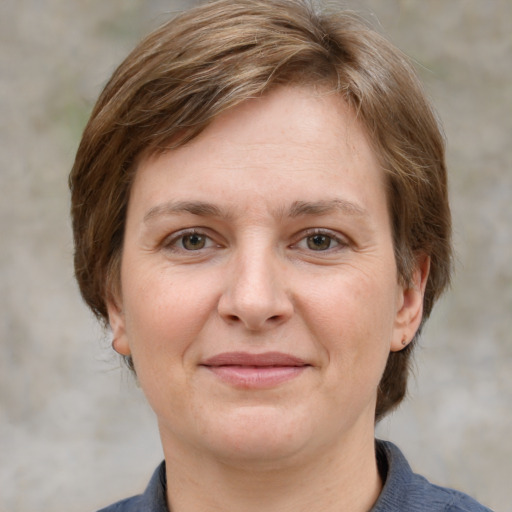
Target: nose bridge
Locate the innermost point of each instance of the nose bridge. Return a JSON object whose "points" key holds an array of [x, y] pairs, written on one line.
{"points": [[256, 294]]}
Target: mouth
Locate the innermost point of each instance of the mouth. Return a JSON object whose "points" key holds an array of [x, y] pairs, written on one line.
{"points": [[255, 371]]}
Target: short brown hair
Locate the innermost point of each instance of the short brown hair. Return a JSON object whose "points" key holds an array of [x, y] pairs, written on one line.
{"points": [[214, 57]]}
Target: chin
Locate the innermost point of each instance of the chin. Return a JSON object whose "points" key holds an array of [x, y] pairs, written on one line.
{"points": [[260, 435]]}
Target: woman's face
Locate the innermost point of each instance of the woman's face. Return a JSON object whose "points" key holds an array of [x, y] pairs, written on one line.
{"points": [[260, 297]]}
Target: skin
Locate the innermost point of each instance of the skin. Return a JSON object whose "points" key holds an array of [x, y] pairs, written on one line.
{"points": [[269, 232]]}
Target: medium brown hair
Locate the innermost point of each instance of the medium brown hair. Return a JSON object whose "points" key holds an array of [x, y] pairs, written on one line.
{"points": [[212, 58]]}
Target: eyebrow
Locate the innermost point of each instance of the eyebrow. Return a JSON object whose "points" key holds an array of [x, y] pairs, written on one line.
{"points": [[297, 209], [200, 208], [317, 208]]}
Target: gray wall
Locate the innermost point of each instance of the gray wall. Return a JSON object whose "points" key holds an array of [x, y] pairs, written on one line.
{"points": [[74, 430]]}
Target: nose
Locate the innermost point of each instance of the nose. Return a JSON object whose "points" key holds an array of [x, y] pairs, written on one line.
{"points": [[256, 295]]}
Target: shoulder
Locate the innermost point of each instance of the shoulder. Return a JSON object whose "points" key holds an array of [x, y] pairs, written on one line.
{"points": [[446, 499], [463, 503], [407, 491], [152, 500], [127, 505]]}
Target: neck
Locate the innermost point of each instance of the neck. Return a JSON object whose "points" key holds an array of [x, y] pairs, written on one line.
{"points": [[344, 478]]}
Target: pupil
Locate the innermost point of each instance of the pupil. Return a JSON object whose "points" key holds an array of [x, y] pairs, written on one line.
{"points": [[193, 242], [319, 242]]}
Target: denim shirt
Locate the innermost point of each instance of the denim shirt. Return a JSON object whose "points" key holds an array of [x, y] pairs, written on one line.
{"points": [[403, 490]]}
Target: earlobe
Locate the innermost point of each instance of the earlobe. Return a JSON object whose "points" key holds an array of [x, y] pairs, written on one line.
{"points": [[116, 320], [410, 306]]}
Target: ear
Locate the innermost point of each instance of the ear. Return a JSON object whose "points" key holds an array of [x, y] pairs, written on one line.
{"points": [[117, 323], [410, 306]]}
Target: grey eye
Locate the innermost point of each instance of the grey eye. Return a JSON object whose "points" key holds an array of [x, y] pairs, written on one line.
{"points": [[319, 242], [193, 242]]}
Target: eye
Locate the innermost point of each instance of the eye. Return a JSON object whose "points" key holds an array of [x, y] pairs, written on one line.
{"points": [[321, 241], [193, 241], [188, 241]]}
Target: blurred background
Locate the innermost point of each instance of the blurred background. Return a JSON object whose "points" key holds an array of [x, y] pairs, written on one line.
{"points": [[75, 433]]}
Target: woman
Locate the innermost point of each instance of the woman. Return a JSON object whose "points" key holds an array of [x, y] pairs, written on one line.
{"points": [[260, 214]]}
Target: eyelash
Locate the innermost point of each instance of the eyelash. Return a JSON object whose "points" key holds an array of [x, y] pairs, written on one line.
{"points": [[171, 243], [332, 236]]}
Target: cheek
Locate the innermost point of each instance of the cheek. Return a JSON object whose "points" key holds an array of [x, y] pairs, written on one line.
{"points": [[164, 319], [352, 317], [165, 312]]}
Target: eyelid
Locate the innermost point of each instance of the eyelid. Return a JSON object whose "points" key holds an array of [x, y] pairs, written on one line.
{"points": [[170, 241], [341, 240]]}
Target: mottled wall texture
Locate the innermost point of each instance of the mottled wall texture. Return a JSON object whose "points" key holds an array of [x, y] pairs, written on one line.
{"points": [[75, 432]]}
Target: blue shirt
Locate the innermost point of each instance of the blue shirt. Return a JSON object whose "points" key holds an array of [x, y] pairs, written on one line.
{"points": [[403, 491]]}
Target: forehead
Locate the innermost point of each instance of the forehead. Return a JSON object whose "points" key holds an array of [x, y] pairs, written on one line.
{"points": [[292, 142]]}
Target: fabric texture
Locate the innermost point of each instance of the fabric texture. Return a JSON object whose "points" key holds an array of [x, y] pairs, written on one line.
{"points": [[403, 491]]}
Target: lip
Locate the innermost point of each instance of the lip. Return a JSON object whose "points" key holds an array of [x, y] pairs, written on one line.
{"points": [[255, 371]]}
